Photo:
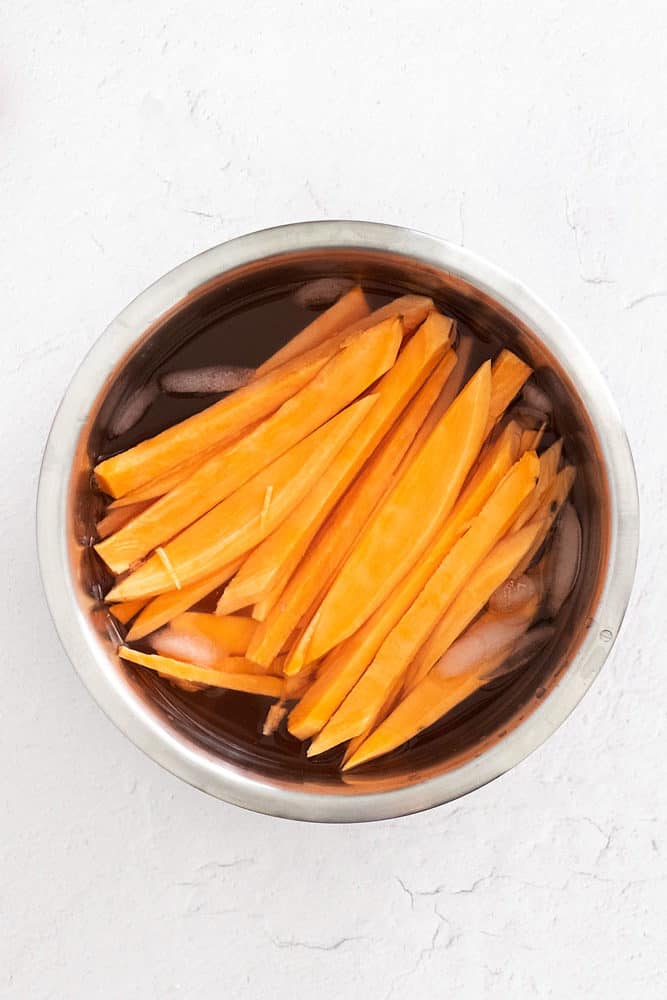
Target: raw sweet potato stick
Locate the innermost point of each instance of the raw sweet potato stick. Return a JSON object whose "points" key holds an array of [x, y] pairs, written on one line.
{"points": [[390, 544], [510, 373], [339, 533], [215, 426], [235, 677], [221, 423], [163, 484], [549, 461], [126, 611], [245, 518], [278, 556], [398, 649], [413, 308], [167, 606], [229, 634], [494, 570], [117, 518], [347, 375], [349, 308], [345, 664], [439, 690], [550, 504]]}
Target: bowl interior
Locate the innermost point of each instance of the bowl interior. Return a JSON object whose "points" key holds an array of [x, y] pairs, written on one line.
{"points": [[213, 323]]}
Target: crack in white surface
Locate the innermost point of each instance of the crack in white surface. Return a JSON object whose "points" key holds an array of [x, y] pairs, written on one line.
{"points": [[645, 298], [210, 869], [427, 951], [314, 946]]}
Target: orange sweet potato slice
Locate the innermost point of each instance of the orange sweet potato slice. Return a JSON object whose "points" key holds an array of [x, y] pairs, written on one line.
{"points": [[345, 665], [403, 525], [551, 502], [350, 308], [230, 634], [215, 426], [427, 703], [115, 519], [510, 373], [249, 515], [348, 374], [549, 462], [497, 567], [393, 658], [235, 677], [279, 555], [126, 611], [164, 608], [281, 611], [439, 691], [163, 484]]}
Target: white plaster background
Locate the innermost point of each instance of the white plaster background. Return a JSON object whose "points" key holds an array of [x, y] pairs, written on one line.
{"points": [[136, 134]]}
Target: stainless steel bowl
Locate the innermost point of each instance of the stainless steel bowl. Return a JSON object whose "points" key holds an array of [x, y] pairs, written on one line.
{"points": [[481, 744]]}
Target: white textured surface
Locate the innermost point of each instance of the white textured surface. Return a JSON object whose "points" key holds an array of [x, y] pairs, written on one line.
{"points": [[134, 135]]}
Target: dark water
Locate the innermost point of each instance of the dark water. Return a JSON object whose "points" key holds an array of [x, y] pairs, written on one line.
{"points": [[230, 723]]}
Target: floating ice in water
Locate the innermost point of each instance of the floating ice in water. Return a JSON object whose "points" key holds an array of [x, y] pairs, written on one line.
{"points": [[536, 398], [205, 381], [522, 652], [512, 595], [484, 641], [321, 292], [529, 417], [125, 417], [564, 559], [191, 649]]}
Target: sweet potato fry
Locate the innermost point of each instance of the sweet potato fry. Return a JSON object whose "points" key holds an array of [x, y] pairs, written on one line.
{"points": [[230, 634], [530, 439], [163, 484], [168, 606], [498, 565], [387, 707], [205, 652], [220, 424], [494, 462], [550, 504], [413, 309], [125, 612], [215, 426], [389, 546], [279, 555], [455, 382], [244, 519], [549, 462], [348, 374], [338, 535], [427, 703], [350, 308], [115, 519], [362, 705], [261, 608], [509, 374], [343, 667], [448, 684], [235, 677]]}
